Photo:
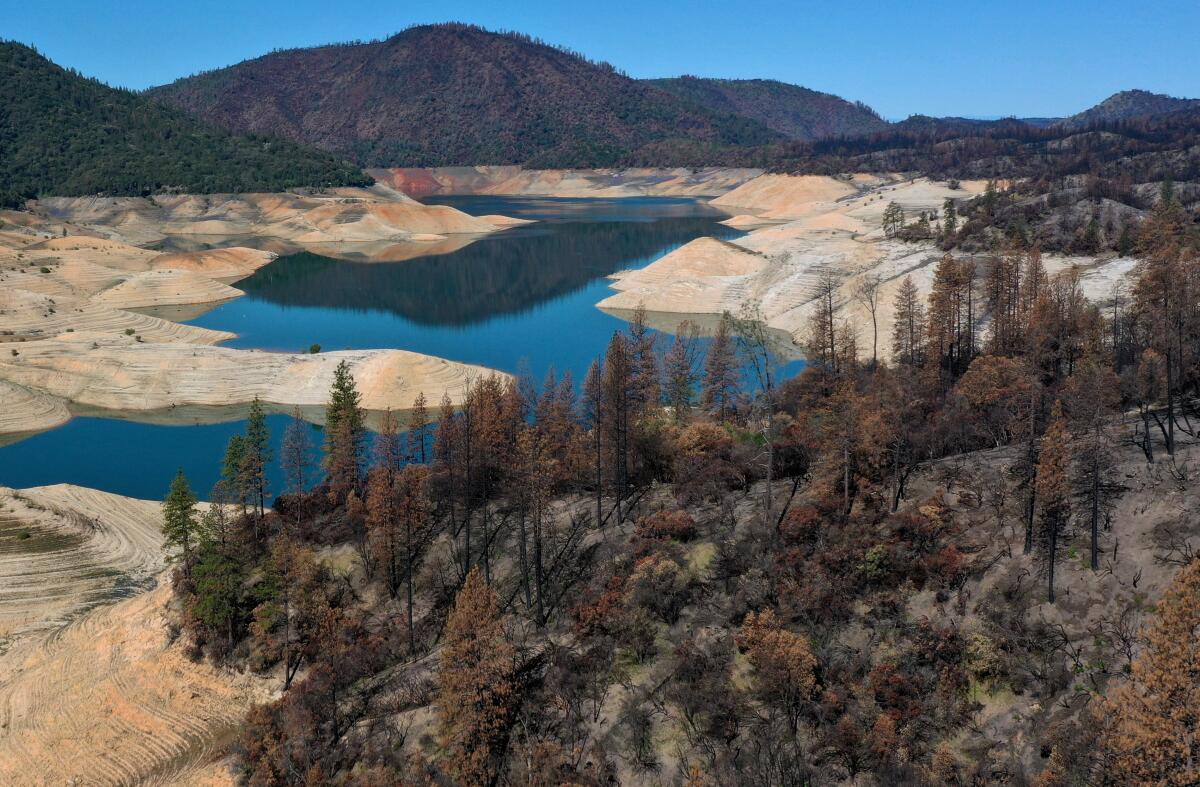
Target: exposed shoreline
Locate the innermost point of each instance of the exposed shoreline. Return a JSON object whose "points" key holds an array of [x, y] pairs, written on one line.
{"points": [[90, 317], [801, 230]]}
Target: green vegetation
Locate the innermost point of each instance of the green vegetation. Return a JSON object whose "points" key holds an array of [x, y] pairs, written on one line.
{"points": [[62, 134]]}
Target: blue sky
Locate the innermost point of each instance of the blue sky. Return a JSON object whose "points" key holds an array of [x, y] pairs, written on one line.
{"points": [[970, 57]]}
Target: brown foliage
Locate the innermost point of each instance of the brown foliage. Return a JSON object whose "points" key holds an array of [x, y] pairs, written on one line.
{"points": [[677, 525], [782, 659], [475, 695], [1154, 737]]}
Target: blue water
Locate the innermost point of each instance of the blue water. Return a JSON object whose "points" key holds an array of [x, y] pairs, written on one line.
{"points": [[519, 301]]}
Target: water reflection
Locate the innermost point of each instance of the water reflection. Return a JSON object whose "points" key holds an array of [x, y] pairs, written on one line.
{"points": [[498, 275]]}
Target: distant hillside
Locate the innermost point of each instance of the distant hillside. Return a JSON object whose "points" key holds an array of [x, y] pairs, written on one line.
{"points": [[796, 112], [924, 124], [456, 94], [64, 134], [1130, 105]]}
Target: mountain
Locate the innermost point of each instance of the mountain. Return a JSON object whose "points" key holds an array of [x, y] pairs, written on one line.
{"points": [[1130, 105], [794, 111], [63, 134], [457, 94], [924, 124]]}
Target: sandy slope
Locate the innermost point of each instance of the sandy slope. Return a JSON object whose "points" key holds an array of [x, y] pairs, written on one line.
{"points": [[67, 303], [27, 315], [112, 699], [23, 410], [63, 548], [820, 227], [93, 689], [516, 181], [121, 374], [707, 275], [165, 287], [225, 265], [778, 196], [338, 215]]}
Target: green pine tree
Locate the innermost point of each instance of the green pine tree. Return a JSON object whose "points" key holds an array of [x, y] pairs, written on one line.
{"points": [[218, 582], [179, 521], [950, 222], [343, 406], [232, 476], [256, 454]]}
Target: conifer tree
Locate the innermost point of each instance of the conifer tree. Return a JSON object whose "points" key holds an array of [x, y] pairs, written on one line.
{"points": [[295, 453], [383, 524], [232, 475], [257, 455], [593, 415], [1093, 394], [680, 370], [344, 431], [893, 219], [475, 686], [823, 334], [645, 384], [908, 327], [1053, 490], [719, 393], [418, 425], [179, 521], [389, 445], [950, 220], [344, 401], [412, 511], [1153, 730], [618, 397]]}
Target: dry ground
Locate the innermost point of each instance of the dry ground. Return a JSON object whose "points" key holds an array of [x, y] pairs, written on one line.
{"points": [[94, 687]]}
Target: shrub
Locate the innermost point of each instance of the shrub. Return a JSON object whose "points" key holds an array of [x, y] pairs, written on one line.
{"points": [[703, 467], [659, 584], [677, 525]]}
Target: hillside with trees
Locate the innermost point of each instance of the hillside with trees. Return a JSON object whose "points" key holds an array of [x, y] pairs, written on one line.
{"points": [[1078, 191], [940, 569], [458, 94], [62, 134], [1130, 105], [794, 111]]}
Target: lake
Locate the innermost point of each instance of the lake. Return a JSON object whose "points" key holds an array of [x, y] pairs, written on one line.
{"points": [[520, 300]]}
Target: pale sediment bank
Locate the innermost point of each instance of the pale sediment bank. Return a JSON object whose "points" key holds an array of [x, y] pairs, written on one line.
{"points": [[818, 227], [121, 374], [23, 410], [82, 317], [595, 183], [64, 548], [332, 216], [95, 687], [224, 265]]}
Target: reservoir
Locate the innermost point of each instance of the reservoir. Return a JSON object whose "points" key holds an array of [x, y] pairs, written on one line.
{"points": [[521, 301]]}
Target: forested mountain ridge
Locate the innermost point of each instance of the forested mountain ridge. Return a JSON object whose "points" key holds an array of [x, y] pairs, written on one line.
{"points": [[66, 135], [797, 112], [1130, 105], [457, 94], [1077, 190]]}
